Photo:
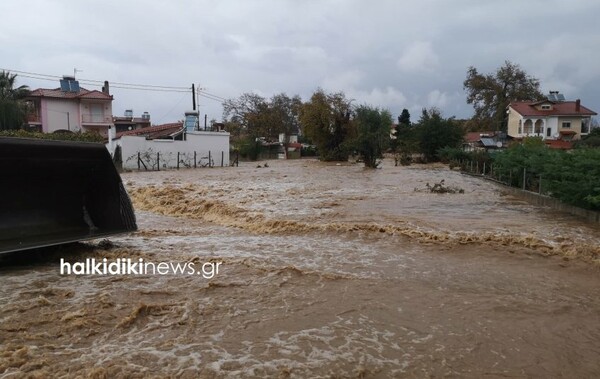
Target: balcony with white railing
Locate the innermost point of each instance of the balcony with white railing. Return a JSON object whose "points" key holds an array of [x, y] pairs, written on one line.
{"points": [[88, 118]]}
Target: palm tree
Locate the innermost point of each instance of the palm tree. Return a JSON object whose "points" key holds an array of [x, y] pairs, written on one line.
{"points": [[13, 110]]}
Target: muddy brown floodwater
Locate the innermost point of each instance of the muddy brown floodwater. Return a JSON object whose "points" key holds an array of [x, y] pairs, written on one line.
{"points": [[326, 271]]}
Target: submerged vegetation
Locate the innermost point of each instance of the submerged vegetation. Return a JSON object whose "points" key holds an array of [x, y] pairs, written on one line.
{"points": [[440, 187]]}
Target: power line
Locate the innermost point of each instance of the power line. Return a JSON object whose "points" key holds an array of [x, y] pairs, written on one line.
{"points": [[210, 94], [121, 85], [141, 87], [220, 100]]}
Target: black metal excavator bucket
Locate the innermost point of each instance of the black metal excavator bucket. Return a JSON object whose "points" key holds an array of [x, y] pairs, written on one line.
{"points": [[54, 192]]}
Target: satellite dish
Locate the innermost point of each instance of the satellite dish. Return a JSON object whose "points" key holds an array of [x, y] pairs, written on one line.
{"points": [[498, 144]]}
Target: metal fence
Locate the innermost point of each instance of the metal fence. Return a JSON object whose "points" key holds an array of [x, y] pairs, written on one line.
{"points": [[523, 178], [150, 160]]}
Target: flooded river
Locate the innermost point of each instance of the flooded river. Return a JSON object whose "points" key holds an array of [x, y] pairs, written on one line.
{"points": [[325, 271]]}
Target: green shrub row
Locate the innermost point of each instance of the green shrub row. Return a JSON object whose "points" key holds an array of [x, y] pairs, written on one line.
{"points": [[80, 137]]}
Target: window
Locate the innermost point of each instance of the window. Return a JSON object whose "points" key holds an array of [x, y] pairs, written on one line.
{"points": [[96, 113], [520, 130], [548, 132], [585, 126], [546, 107], [566, 125]]}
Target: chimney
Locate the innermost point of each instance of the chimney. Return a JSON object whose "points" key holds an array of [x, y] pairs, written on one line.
{"points": [[577, 105], [106, 88]]}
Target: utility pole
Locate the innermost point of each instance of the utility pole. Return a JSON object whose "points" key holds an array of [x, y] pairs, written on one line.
{"points": [[193, 96]]}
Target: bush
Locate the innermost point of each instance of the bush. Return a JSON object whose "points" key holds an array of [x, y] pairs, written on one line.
{"points": [[308, 151], [453, 154], [250, 148], [80, 137], [573, 177]]}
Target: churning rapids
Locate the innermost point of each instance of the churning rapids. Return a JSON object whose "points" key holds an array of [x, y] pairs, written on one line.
{"points": [[327, 271]]}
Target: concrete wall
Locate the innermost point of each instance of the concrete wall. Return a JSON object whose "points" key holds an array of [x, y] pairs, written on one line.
{"points": [[553, 203], [200, 142], [546, 201]]}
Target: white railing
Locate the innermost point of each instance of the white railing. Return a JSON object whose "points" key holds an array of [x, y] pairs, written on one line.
{"points": [[96, 119]]}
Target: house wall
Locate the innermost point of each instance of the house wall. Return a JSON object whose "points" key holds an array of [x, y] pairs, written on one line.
{"points": [[575, 125], [55, 112], [200, 142], [88, 117], [96, 122], [552, 123], [513, 122]]}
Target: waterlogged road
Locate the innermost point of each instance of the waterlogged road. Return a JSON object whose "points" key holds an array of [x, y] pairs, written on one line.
{"points": [[325, 271]]}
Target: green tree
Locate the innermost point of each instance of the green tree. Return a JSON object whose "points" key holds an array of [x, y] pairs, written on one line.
{"points": [[591, 140], [373, 131], [13, 109], [435, 132], [404, 118], [490, 94], [246, 116], [326, 120], [285, 116], [404, 142], [251, 116]]}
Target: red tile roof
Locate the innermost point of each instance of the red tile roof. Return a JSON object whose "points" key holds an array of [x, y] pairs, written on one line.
{"points": [[567, 132], [60, 94], [564, 108], [153, 131], [476, 136]]}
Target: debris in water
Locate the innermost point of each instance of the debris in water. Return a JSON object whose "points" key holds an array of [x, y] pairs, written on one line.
{"points": [[440, 188]]}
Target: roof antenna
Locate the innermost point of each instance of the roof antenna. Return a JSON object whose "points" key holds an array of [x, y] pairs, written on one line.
{"points": [[75, 71]]}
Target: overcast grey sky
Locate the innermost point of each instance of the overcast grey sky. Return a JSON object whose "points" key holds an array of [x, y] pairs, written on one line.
{"points": [[392, 54]]}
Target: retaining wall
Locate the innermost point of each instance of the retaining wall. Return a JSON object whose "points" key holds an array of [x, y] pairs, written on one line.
{"points": [[547, 201]]}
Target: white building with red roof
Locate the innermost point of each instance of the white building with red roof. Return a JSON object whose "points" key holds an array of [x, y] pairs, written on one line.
{"points": [[173, 145], [71, 108], [553, 119]]}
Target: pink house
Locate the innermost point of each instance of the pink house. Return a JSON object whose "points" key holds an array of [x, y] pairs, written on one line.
{"points": [[71, 108]]}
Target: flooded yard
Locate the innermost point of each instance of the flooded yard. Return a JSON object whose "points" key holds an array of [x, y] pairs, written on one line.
{"points": [[325, 271]]}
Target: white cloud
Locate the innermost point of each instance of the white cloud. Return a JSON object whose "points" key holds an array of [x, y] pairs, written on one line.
{"points": [[273, 46], [389, 98], [418, 57], [437, 99], [342, 81]]}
